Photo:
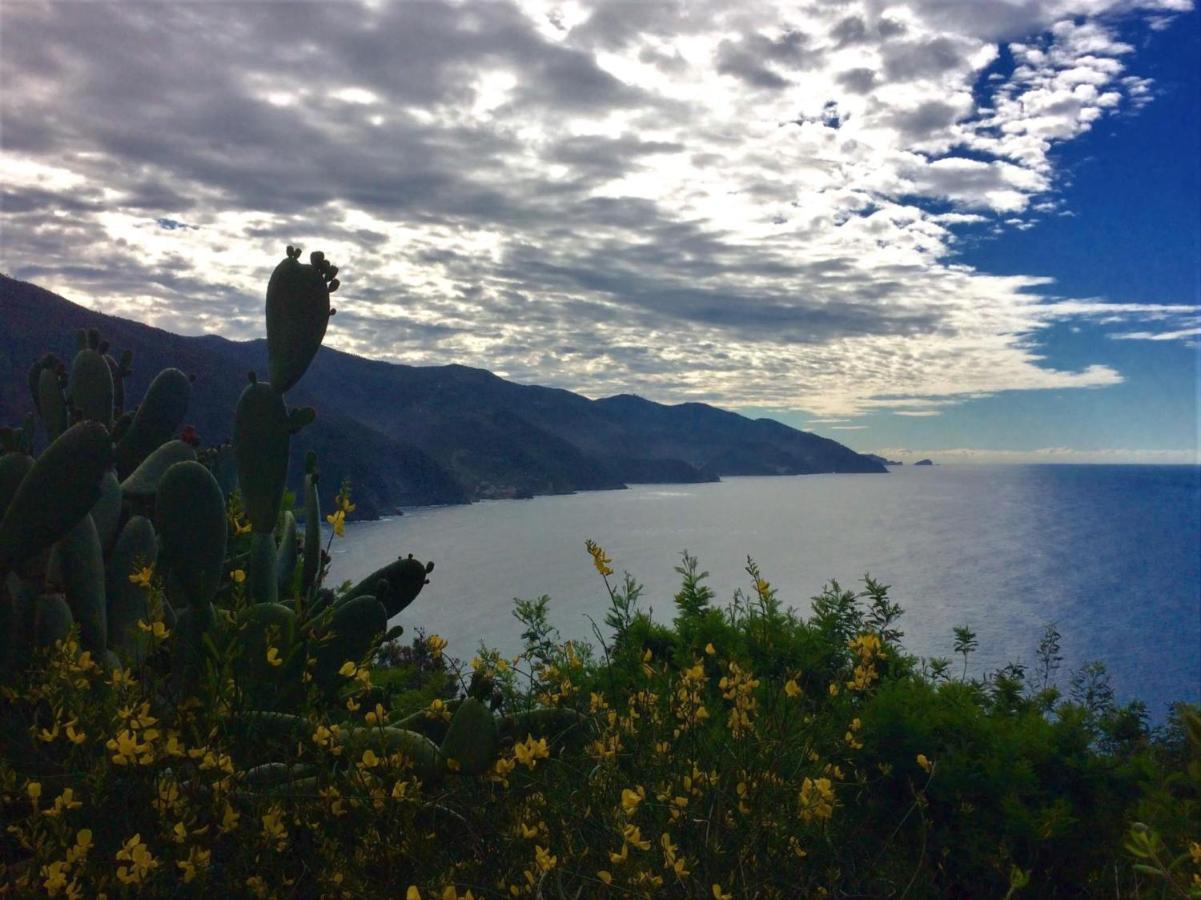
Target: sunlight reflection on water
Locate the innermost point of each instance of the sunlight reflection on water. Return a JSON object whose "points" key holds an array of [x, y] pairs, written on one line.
{"points": [[1109, 552]]}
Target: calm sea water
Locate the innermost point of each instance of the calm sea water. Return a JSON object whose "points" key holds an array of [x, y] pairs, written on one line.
{"points": [[1110, 553]]}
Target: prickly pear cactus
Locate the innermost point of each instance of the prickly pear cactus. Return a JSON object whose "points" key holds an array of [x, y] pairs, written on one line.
{"points": [[428, 762], [261, 438], [190, 514], [298, 313], [90, 386], [13, 469], [268, 661], [129, 597], [51, 402], [286, 555], [143, 481], [353, 626], [52, 619], [118, 528], [311, 566], [158, 418], [396, 585], [60, 488], [262, 580], [120, 371], [107, 511], [81, 560], [472, 740]]}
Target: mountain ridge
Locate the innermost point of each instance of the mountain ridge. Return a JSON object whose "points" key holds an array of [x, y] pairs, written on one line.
{"points": [[427, 435]]}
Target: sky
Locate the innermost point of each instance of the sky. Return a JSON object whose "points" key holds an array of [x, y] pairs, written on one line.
{"points": [[941, 228]]}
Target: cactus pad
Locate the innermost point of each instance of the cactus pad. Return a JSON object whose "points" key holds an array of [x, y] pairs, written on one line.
{"points": [[396, 585], [158, 417], [60, 488], [298, 313], [190, 513], [472, 738], [261, 448]]}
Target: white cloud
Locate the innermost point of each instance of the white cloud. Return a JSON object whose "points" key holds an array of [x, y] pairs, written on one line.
{"points": [[751, 204]]}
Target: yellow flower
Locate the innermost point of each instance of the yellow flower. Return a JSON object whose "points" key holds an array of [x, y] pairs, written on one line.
{"points": [[530, 751], [631, 798], [710, 649], [229, 819], [791, 688], [817, 799], [273, 827], [544, 859], [342, 501], [66, 800], [237, 575], [719, 894], [632, 834], [924, 762], [141, 863], [273, 657], [599, 559], [56, 878], [34, 790], [142, 576], [436, 645], [370, 760], [348, 670], [338, 519], [241, 526], [197, 861], [158, 629], [412, 893], [605, 876]]}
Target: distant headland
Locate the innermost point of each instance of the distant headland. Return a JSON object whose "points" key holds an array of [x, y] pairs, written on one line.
{"points": [[433, 435]]}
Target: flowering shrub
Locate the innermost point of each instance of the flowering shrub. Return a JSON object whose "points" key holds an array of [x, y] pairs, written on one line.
{"points": [[740, 752]]}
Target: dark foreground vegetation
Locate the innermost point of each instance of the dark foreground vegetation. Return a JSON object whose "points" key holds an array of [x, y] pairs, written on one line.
{"points": [[187, 709]]}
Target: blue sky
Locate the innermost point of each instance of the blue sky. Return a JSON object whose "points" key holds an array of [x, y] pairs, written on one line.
{"points": [[929, 227], [1133, 188]]}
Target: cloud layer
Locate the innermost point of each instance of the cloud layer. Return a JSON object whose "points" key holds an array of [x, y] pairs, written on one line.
{"points": [[747, 204]]}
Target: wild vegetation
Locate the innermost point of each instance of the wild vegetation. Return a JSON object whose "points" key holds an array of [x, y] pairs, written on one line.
{"points": [[189, 709]]}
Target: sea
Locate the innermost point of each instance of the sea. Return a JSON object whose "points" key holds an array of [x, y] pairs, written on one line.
{"points": [[1110, 555]]}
